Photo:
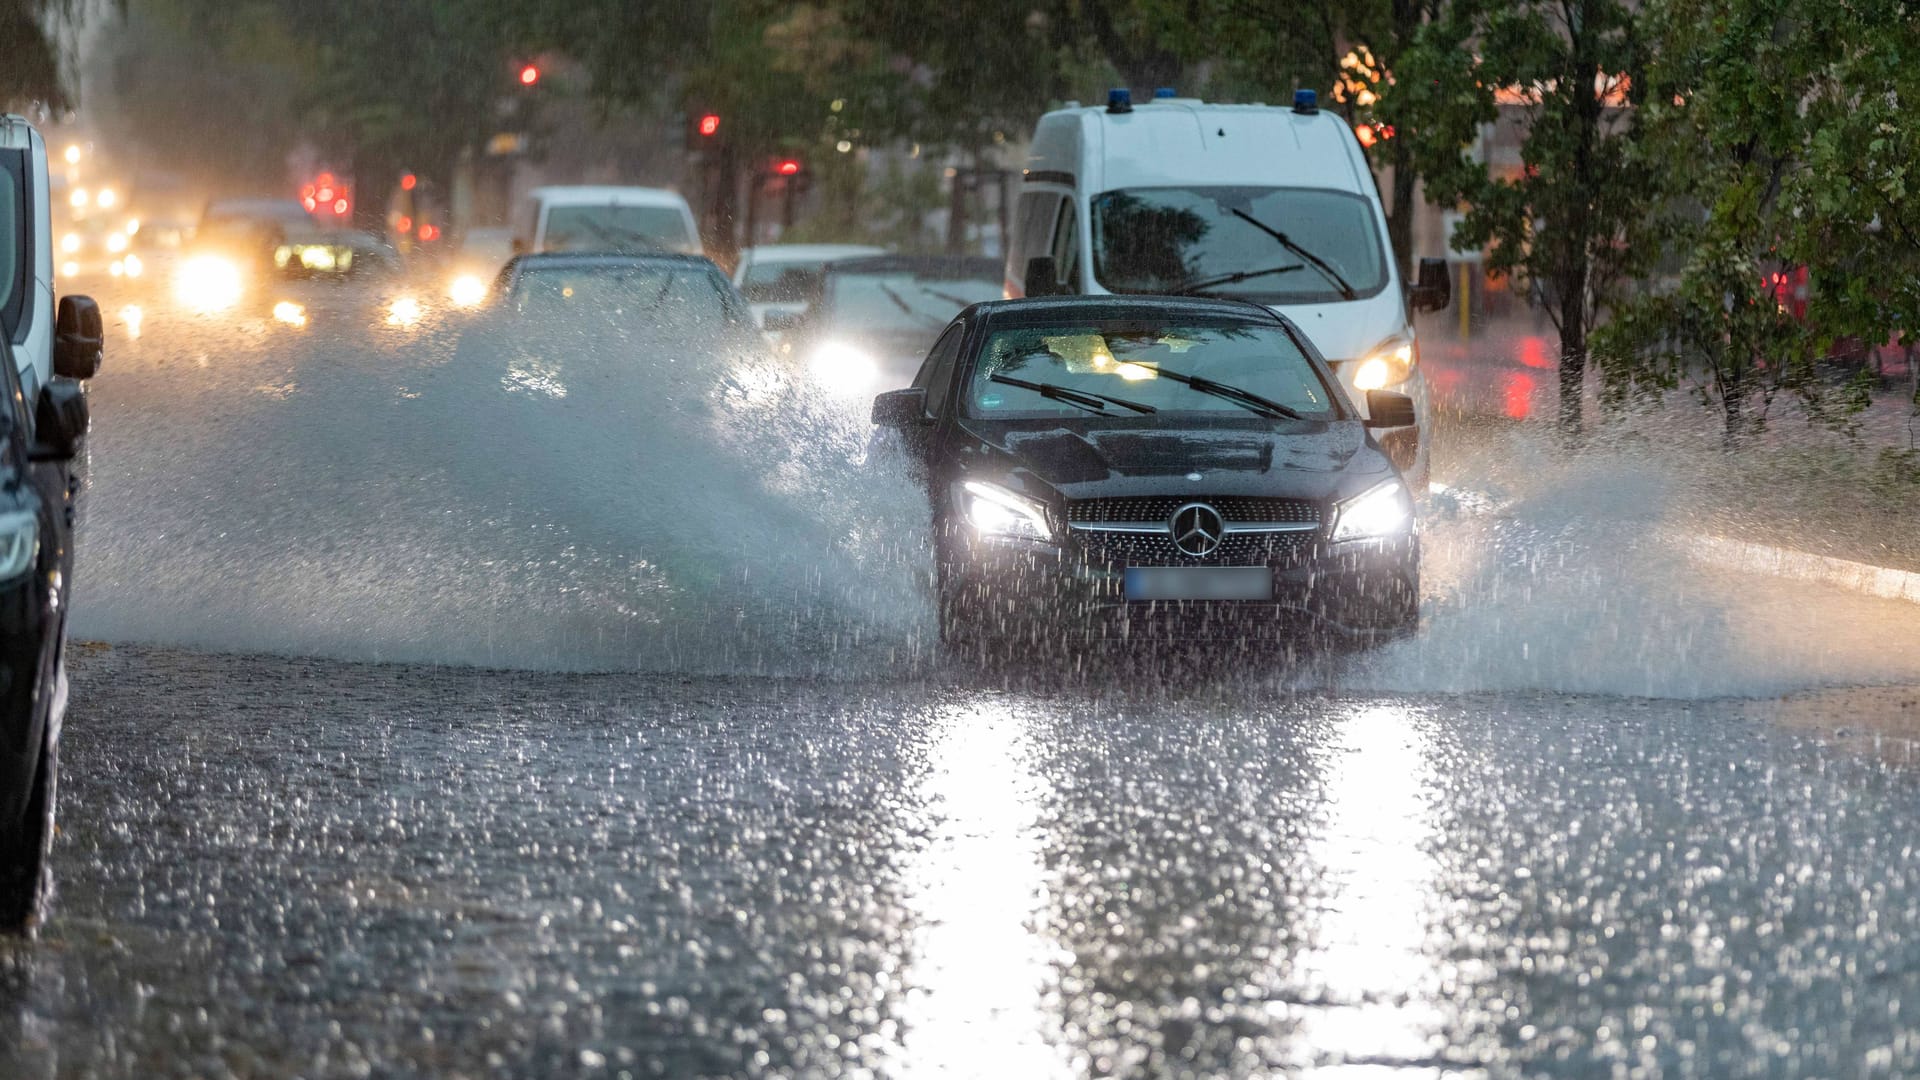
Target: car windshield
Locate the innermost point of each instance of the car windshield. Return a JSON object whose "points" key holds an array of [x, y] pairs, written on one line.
{"points": [[1122, 359], [1159, 240], [901, 301], [624, 292], [618, 228]]}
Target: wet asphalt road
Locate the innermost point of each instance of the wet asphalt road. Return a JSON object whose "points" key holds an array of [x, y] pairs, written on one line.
{"points": [[277, 867], [280, 859]]}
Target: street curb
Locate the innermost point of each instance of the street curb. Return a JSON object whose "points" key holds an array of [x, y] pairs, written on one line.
{"points": [[1884, 582]]}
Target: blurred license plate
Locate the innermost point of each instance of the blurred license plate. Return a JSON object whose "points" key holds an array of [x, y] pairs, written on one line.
{"points": [[1199, 583]]}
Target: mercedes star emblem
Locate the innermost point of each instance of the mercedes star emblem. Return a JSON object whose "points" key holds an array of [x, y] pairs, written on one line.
{"points": [[1197, 529]]}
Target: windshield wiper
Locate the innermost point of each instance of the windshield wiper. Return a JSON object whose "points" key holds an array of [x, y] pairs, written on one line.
{"points": [[1086, 399], [1246, 399], [1192, 287], [1320, 264]]}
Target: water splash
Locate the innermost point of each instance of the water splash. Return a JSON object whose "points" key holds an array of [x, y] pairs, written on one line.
{"points": [[550, 498]]}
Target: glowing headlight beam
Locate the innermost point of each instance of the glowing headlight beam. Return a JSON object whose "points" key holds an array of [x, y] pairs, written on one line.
{"points": [[1381, 512], [995, 511], [208, 284]]}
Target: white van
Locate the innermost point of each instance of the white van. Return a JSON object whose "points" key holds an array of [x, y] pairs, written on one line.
{"points": [[605, 220], [1270, 205]]}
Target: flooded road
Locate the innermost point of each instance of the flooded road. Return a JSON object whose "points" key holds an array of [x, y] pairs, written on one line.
{"points": [[278, 867], [426, 729]]}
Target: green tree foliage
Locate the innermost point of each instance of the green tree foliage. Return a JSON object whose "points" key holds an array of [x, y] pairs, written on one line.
{"points": [[1776, 132], [1566, 219], [30, 32]]}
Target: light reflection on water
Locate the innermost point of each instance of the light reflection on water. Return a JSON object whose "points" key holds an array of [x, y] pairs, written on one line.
{"points": [[1366, 968], [981, 971]]}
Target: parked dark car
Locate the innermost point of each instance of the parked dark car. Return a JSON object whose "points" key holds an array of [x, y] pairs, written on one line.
{"points": [[1164, 467], [38, 492]]}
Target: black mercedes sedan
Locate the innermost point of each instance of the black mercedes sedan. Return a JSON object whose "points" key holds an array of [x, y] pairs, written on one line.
{"points": [[1148, 468]]}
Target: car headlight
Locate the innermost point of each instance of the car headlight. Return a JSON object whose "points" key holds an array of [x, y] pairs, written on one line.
{"points": [[208, 284], [994, 511], [19, 543], [1390, 364], [844, 368], [1380, 512], [467, 291]]}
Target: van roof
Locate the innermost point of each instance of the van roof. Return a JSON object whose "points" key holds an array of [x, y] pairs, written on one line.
{"points": [[606, 195], [1184, 141]]}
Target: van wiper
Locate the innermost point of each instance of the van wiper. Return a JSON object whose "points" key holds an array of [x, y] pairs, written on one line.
{"points": [[1204, 284], [1246, 399], [1320, 264], [1085, 399]]}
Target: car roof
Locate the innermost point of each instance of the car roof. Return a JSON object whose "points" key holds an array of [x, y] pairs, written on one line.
{"points": [[277, 209], [560, 260], [1039, 309], [777, 253], [951, 267], [607, 195]]}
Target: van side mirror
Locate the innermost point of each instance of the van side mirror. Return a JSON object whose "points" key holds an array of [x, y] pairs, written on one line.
{"points": [[1042, 277], [1386, 409], [1433, 289], [900, 408], [60, 422], [79, 338]]}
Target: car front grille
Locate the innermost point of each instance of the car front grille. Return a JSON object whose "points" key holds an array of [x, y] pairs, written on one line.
{"points": [[1156, 549], [1147, 541], [1234, 509]]}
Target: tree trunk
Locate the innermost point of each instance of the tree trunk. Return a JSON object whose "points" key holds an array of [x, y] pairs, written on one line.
{"points": [[1573, 349], [1400, 215]]}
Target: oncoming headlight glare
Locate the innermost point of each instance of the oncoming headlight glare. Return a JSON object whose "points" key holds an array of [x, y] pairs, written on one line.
{"points": [[1380, 512], [994, 511], [208, 284], [844, 368], [467, 291], [1388, 365]]}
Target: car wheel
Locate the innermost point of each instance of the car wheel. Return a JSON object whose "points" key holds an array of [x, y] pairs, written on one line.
{"points": [[25, 844]]}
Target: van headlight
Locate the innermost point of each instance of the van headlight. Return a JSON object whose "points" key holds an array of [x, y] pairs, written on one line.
{"points": [[19, 543], [994, 511], [1389, 364], [1382, 512]]}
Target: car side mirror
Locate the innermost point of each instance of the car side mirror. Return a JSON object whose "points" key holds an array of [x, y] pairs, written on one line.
{"points": [[782, 322], [79, 338], [1386, 409], [60, 421], [900, 408], [1042, 277], [1433, 290]]}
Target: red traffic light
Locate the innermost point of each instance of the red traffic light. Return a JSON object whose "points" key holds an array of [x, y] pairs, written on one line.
{"points": [[529, 74], [408, 181], [429, 233], [710, 124], [788, 167]]}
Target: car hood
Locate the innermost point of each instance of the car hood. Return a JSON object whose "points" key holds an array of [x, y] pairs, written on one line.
{"points": [[1308, 460]]}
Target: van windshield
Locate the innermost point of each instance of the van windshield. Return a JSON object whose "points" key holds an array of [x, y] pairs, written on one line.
{"points": [[1158, 240], [625, 230]]}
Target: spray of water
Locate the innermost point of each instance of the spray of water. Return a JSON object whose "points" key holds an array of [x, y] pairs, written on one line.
{"points": [[549, 496], [1571, 573]]}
